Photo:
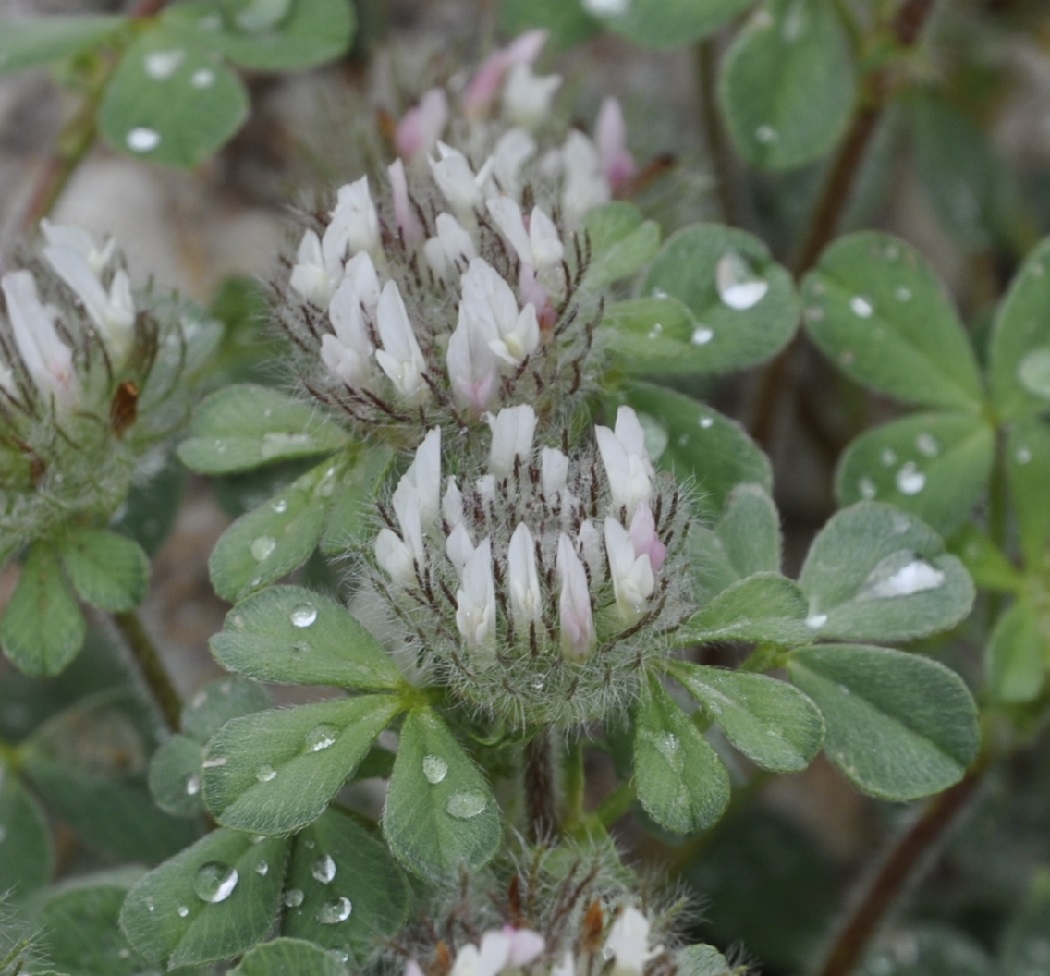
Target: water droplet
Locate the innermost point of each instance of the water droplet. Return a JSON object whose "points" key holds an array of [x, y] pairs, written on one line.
{"points": [[262, 867], [766, 134], [901, 574], [466, 804], [323, 869], [143, 139], [182, 911], [434, 768], [280, 506], [202, 78], [262, 546], [293, 897], [1034, 372], [321, 737], [888, 457], [706, 422], [302, 647], [1024, 454], [702, 335], [861, 306], [264, 774], [659, 293], [277, 443], [336, 910], [816, 620], [160, 65], [738, 285], [794, 23], [667, 746], [303, 615], [910, 480], [193, 784], [927, 445], [867, 489], [903, 294], [537, 684], [682, 440], [215, 882]]}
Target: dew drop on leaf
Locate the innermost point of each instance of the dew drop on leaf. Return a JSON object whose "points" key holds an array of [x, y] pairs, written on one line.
{"points": [[280, 506], [466, 804], [888, 456], [303, 615], [903, 294], [264, 774], [706, 422], [1023, 455], [182, 911], [1034, 372], [143, 139], [262, 546], [193, 784], [262, 867], [867, 489], [910, 480], [160, 65], [293, 897], [861, 307], [702, 335], [889, 580], [766, 134], [926, 444], [607, 8], [321, 737], [738, 286], [323, 869], [215, 882], [434, 768], [276, 443], [334, 911], [657, 330], [202, 78], [816, 621]]}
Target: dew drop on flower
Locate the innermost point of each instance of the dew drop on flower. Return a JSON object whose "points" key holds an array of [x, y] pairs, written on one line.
{"points": [[334, 911], [160, 65], [910, 480], [303, 615], [434, 768], [293, 897], [264, 774], [323, 869], [861, 307], [143, 139], [215, 882], [262, 546], [1034, 372], [202, 78], [466, 804], [702, 335], [182, 911], [321, 737], [738, 286]]}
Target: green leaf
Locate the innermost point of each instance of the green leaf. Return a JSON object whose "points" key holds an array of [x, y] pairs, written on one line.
{"points": [[212, 901], [1019, 354], [874, 306], [680, 781], [877, 573], [171, 102], [43, 39], [744, 306], [175, 776], [898, 725], [109, 571], [568, 23], [750, 531], [351, 511], [701, 445], [243, 427], [788, 84], [274, 772], [1028, 474], [273, 539], [1018, 653], [986, 562], [665, 23], [621, 241], [28, 857], [82, 935], [440, 815], [1025, 941], [284, 956], [354, 895], [763, 607], [295, 636], [934, 465], [310, 34], [772, 723], [43, 628], [150, 509], [711, 570], [971, 188], [212, 706]]}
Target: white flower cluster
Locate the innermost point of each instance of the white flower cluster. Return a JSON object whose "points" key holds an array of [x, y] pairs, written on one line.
{"points": [[505, 952], [546, 565]]}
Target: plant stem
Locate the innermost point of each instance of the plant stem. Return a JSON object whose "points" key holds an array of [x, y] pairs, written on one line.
{"points": [[615, 805], [718, 148], [575, 783], [541, 802], [151, 668], [903, 863], [831, 204]]}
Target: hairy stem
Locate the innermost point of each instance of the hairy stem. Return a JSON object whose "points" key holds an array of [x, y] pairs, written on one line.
{"points": [[900, 868], [150, 668], [541, 801]]}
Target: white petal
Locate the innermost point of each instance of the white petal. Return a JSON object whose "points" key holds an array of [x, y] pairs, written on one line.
{"points": [[512, 430], [400, 358], [523, 583], [574, 603]]}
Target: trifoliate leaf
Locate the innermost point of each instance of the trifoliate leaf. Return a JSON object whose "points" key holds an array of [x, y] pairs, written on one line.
{"points": [[898, 725], [108, 570]]}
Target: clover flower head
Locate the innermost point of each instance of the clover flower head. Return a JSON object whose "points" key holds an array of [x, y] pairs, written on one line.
{"points": [[535, 589]]}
